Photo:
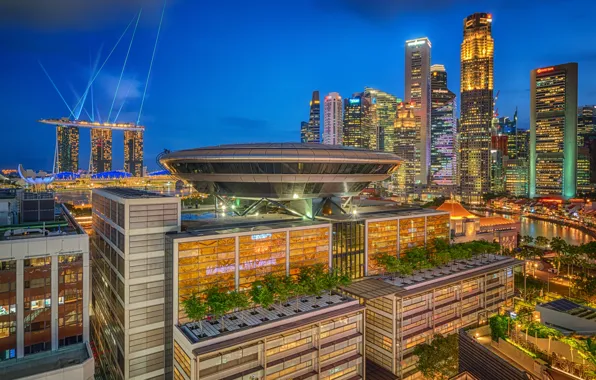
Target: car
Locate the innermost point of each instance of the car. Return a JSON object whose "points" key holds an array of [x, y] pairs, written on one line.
{"points": [[553, 270]]}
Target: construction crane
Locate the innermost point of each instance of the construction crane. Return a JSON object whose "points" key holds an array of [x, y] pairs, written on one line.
{"points": [[495, 109]]}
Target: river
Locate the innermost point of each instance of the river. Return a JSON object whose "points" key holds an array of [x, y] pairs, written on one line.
{"points": [[534, 228]]}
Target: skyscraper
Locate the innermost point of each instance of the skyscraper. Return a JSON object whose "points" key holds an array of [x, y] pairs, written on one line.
{"points": [[332, 122], [476, 86], [353, 133], [133, 153], [385, 106], [443, 129], [585, 123], [313, 130], [553, 131], [101, 150], [67, 139], [303, 131], [407, 146], [418, 93]]}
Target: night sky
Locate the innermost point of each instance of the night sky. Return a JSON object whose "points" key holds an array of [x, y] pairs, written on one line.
{"points": [[243, 71]]}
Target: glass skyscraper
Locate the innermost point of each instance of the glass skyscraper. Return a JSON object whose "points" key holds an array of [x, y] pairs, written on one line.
{"points": [[443, 129], [385, 106], [101, 150], [476, 86], [312, 133], [133, 153], [67, 141], [553, 131], [353, 131], [407, 146]]}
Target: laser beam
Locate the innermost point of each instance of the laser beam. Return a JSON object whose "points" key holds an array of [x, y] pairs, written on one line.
{"points": [[56, 88]]}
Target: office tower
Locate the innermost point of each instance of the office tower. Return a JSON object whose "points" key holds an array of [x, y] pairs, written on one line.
{"points": [[385, 106], [516, 139], [516, 176], [312, 134], [553, 131], [443, 129], [370, 121], [584, 185], [133, 153], [407, 147], [353, 131], [44, 293], [476, 86], [418, 92], [101, 150], [67, 139], [585, 123], [333, 120], [303, 131], [131, 322]]}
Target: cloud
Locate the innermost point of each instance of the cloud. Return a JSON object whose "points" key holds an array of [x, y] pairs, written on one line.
{"points": [[73, 14]]}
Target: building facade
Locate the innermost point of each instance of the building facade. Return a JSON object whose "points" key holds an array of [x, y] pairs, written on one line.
{"points": [[402, 313], [44, 295], [418, 92], [67, 140], [101, 150], [386, 107], [476, 86], [133, 153], [585, 123], [407, 146], [312, 133], [442, 129], [354, 134], [553, 131], [333, 120], [130, 298]]}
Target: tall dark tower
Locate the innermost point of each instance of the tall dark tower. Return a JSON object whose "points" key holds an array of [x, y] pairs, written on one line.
{"points": [[476, 86], [313, 130], [443, 129]]}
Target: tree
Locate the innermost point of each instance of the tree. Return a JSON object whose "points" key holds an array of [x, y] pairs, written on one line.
{"points": [[439, 359], [316, 286], [261, 295], [284, 289], [559, 246], [417, 258], [238, 300], [195, 309], [541, 242], [585, 285], [441, 245], [527, 240], [499, 325], [219, 304]]}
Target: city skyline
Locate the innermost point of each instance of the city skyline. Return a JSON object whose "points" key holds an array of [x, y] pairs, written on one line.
{"points": [[171, 111]]}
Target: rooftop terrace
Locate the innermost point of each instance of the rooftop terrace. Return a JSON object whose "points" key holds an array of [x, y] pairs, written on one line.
{"points": [[62, 225], [565, 306], [426, 279], [130, 193]]}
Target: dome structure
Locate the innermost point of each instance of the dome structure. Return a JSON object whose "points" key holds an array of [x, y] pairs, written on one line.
{"points": [[280, 171], [115, 174], [35, 179]]}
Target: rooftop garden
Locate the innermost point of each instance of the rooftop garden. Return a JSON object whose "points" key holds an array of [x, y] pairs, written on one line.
{"points": [[272, 298]]}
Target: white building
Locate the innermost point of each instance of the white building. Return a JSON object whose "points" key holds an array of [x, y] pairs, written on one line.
{"points": [[333, 120]]}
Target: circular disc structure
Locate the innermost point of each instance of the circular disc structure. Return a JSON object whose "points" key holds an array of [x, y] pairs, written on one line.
{"points": [[280, 171]]}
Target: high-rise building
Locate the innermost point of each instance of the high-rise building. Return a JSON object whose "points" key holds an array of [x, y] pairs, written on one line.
{"points": [[516, 176], [418, 93], [333, 119], [133, 153], [476, 86], [517, 144], [407, 147], [353, 131], [385, 106], [44, 293], [101, 150], [585, 123], [370, 121], [67, 139], [553, 131], [131, 304], [313, 130], [443, 129], [303, 131]]}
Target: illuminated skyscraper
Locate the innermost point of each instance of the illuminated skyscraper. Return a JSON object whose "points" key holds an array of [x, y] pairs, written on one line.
{"points": [[476, 86], [385, 105], [313, 130], [407, 146], [67, 140], [553, 131], [133, 153], [332, 122], [370, 121], [443, 128], [101, 150], [585, 123], [303, 131], [353, 132], [418, 93]]}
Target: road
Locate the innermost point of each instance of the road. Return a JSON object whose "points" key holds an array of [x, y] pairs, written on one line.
{"points": [[552, 283]]}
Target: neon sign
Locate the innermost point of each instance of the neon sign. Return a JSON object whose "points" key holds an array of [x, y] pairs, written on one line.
{"points": [[260, 236], [251, 264], [416, 43], [354, 101], [545, 70]]}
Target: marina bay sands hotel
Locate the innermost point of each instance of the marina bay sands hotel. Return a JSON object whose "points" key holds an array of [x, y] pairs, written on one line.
{"points": [[66, 157]]}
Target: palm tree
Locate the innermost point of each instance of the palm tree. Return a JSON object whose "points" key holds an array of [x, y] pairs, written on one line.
{"points": [[559, 246], [527, 240], [541, 241]]}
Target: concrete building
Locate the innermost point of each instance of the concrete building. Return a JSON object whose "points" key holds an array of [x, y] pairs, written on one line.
{"points": [[130, 298], [333, 120], [418, 93], [568, 317], [553, 131], [403, 312], [44, 295], [476, 86]]}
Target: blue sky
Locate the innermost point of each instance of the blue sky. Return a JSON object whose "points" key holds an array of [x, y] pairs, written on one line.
{"points": [[243, 71]]}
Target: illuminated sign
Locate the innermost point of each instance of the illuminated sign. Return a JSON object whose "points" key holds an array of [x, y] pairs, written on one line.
{"points": [[260, 236], [354, 101], [416, 43], [249, 265], [545, 70]]}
